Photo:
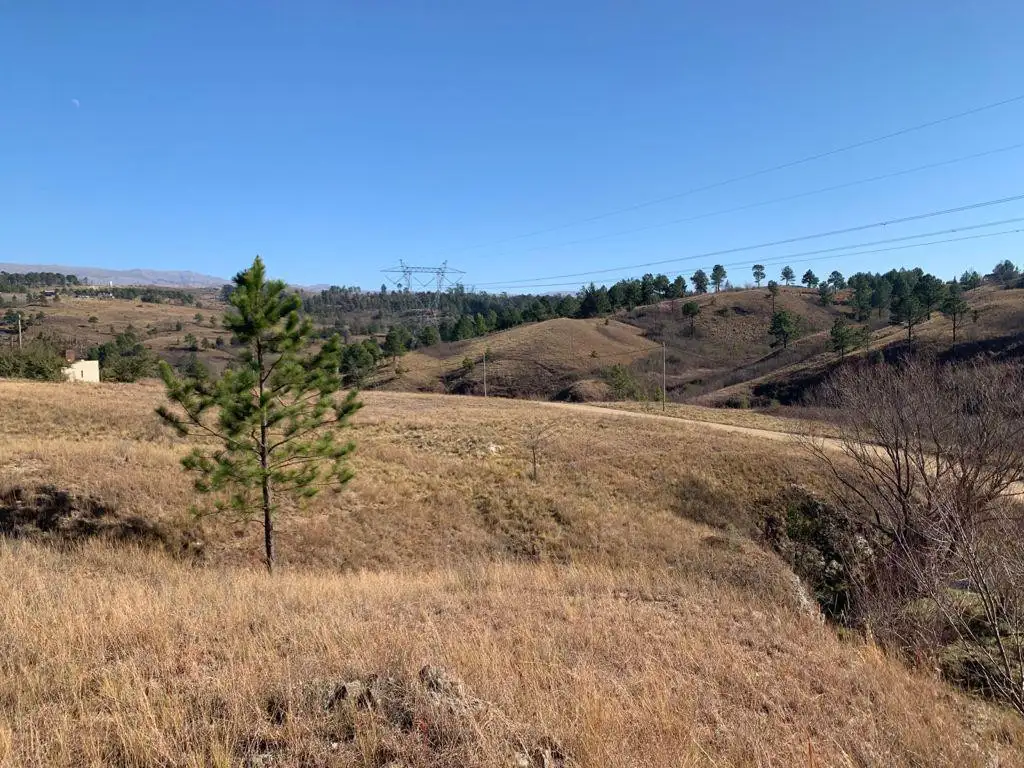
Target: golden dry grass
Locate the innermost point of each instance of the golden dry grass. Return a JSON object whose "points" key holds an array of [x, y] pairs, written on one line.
{"points": [[137, 661], [586, 608], [733, 326], [69, 319], [999, 322], [529, 359], [438, 478]]}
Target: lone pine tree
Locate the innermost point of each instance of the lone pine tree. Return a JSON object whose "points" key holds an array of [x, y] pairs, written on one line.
{"points": [[269, 426]]}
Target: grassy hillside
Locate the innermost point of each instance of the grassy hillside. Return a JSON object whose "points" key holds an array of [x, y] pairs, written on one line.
{"points": [[729, 339], [567, 358], [181, 666], [725, 355], [587, 614], [534, 360], [438, 478], [89, 322], [997, 330]]}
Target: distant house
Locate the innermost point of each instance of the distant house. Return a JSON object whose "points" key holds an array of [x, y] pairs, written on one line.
{"points": [[81, 370]]}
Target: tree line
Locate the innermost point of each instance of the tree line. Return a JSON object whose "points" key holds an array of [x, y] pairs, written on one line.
{"points": [[146, 294], [906, 297], [911, 295], [22, 282]]}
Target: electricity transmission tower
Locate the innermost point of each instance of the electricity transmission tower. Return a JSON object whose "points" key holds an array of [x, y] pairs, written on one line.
{"points": [[423, 279]]}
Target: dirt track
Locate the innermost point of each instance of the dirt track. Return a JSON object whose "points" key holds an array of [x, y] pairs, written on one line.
{"points": [[830, 443], [767, 434]]}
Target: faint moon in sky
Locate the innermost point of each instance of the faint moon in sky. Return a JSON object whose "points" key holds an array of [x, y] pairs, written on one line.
{"points": [[75, 103]]}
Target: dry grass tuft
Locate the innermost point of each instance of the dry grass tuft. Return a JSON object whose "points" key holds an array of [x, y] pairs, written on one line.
{"points": [[130, 661]]}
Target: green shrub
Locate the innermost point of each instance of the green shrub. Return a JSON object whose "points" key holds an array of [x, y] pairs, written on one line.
{"points": [[829, 552], [124, 359], [623, 383], [41, 359]]}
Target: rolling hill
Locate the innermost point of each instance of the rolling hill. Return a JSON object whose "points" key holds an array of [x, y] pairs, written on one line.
{"points": [[994, 328], [729, 339], [537, 360], [569, 359], [88, 322]]}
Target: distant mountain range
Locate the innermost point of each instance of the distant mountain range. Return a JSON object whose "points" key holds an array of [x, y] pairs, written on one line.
{"points": [[160, 277]]}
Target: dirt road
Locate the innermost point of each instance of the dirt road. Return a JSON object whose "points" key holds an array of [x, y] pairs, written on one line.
{"points": [[767, 434]]}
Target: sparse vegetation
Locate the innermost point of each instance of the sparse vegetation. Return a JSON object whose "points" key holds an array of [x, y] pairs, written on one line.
{"points": [[932, 461], [590, 564]]}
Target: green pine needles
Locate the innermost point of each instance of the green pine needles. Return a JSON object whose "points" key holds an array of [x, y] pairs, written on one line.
{"points": [[269, 427]]}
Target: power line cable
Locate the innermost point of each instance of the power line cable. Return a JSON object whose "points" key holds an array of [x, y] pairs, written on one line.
{"points": [[772, 243], [838, 248], [761, 203], [792, 258], [750, 175]]}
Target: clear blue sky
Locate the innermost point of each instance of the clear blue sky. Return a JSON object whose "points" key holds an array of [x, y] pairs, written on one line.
{"points": [[335, 138]]}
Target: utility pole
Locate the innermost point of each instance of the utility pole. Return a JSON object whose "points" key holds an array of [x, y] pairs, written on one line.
{"points": [[664, 392], [485, 373], [19, 332]]}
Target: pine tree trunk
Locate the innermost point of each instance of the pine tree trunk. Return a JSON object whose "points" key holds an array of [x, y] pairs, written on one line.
{"points": [[268, 521]]}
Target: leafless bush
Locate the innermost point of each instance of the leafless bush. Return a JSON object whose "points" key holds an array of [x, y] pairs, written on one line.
{"points": [[537, 434], [933, 457]]}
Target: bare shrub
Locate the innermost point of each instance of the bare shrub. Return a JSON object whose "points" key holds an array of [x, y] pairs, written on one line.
{"points": [[933, 457], [537, 434]]}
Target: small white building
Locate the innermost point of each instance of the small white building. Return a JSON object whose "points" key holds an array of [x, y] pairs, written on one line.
{"points": [[81, 370]]}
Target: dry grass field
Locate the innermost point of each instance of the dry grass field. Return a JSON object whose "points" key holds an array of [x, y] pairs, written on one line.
{"points": [[89, 322], [439, 478], [591, 620], [998, 329], [533, 360], [136, 661], [732, 326]]}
